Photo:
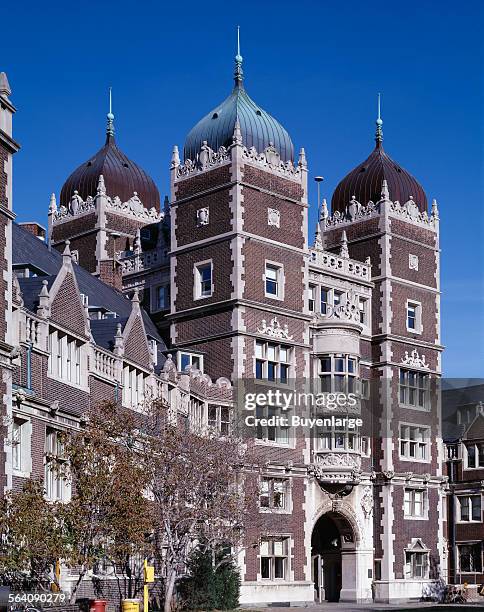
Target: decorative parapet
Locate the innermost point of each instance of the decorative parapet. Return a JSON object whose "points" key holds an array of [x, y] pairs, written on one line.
{"points": [[137, 262], [340, 264], [348, 310], [77, 206], [408, 211], [206, 160], [269, 159]]}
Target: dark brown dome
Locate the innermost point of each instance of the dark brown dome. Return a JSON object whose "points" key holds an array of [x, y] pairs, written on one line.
{"points": [[122, 176], [365, 183]]}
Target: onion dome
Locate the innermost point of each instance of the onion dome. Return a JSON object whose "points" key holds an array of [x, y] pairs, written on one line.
{"points": [[122, 176], [364, 183], [257, 127]]}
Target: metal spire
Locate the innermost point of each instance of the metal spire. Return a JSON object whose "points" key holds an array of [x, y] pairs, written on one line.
{"points": [[379, 124], [238, 73], [110, 116]]}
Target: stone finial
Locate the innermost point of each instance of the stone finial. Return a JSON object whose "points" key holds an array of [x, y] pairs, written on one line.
{"points": [[175, 158], [43, 307], [169, 365], [5, 90], [318, 242], [435, 210], [302, 162], [101, 187], [368, 261], [385, 193], [135, 299], [324, 214], [118, 341], [237, 136], [52, 204], [344, 246], [67, 255]]}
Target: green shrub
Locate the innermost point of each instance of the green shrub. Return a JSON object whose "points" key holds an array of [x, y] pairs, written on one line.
{"points": [[209, 586]]}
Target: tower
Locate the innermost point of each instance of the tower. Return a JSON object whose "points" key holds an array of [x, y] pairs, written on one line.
{"points": [[383, 212], [103, 204]]}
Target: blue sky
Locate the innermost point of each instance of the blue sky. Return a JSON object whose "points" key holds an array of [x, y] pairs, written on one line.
{"points": [[316, 66]]}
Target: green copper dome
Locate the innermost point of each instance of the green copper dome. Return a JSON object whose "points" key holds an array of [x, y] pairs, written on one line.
{"points": [[257, 127]]}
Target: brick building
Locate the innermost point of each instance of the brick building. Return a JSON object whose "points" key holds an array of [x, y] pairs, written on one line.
{"points": [[228, 279]]}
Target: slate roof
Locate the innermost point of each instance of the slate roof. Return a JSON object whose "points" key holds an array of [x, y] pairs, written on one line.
{"points": [[468, 393], [27, 249]]}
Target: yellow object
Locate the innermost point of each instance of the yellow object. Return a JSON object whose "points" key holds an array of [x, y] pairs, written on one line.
{"points": [[130, 605], [149, 575]]}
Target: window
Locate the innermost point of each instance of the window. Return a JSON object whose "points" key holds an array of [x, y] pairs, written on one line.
{"points": [[470, 508], [64, 357], [474, 455], [57, 486], [341, 439], [470, 557], [273, 493], [272, 362], [414, 503], [203, 280], [312, 298], [338, 373], [162, 297], [414, 443], [274, 281], [414, 317], [365, 446], [133, 387], [17, 440], [414, 389], [219, 419], [416, 564], [189, 359], [277, 434], [363, 309], [325, 300], [274, 560]]}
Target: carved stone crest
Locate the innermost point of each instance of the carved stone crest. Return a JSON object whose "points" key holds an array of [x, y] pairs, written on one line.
{"points": [[415, 360], [275, 329], [413, 262], [202, 216], [273, 217]]}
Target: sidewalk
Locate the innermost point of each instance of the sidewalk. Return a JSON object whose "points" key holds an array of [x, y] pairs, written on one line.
{"points": [[348, 607]]}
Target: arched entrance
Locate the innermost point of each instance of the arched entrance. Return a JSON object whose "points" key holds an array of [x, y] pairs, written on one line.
{"points": [[331, 541]]}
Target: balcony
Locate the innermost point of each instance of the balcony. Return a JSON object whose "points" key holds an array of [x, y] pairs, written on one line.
{"points": [[331, 262]]}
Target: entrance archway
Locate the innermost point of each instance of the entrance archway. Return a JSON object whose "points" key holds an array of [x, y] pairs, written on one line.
{"points": [[331, 541]]}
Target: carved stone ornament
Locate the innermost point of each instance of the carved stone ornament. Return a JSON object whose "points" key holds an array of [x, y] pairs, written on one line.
{"points": [[415, 360], [367, 502], [273, 217], [413, 262], [271, 159], [202, 216], [339, 460], [275, 330], [206, 159], [348, 310]]}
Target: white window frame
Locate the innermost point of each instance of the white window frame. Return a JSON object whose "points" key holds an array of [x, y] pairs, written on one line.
{"points": [[280, 280], [57, 486], [219, 419], [346, 378], [272, 554], [66, 358], [197, 279], [191, 357], [272, 436], [468, 503], [426, 444], [134, 386], [269, 489], [418, 316], [21, 446], [411, 575], [363, 308], [477, 455], [409, 505], [312, 292], [408, 389], [262, 354]]}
